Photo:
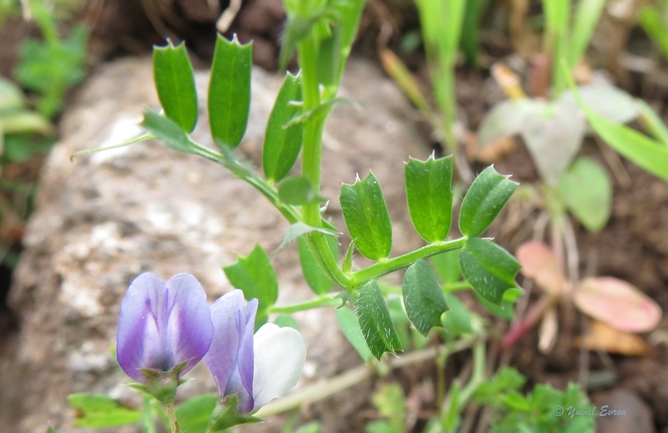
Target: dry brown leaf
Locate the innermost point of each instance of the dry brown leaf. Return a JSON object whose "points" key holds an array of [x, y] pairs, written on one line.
{"points": [[493, 152], [604, 337]]}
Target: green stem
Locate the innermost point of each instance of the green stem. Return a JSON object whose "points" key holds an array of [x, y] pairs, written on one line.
{"points": [[113, 146], [245, 173], [327, 300], [326, 260], [171, 414], [147, 416], [478, 376], [350, 378], [459, 285], [312, 144], [387, 266], [312, 158]]}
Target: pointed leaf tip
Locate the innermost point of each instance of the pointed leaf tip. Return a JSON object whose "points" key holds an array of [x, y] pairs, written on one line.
{"points": [[487, 195], [367, 218]]}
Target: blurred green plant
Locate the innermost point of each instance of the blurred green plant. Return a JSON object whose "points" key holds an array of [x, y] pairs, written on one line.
{"points": [[47, 68], [442, 44], [653, 19], [52, 65], [544, 410]]}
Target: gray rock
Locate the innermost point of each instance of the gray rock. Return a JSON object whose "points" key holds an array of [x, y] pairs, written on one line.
{"points": [[622, 411], [107, 217]]}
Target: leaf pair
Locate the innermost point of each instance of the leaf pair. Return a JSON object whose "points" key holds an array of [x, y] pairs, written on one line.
{"points": [[228, 98]]}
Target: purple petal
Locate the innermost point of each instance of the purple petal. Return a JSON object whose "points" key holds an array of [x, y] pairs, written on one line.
{"points": [[138, 341], [161, 326], [189, 329], [230, 357]]}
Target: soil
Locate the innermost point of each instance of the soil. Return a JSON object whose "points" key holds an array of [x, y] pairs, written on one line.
{"points": [[633, 246]]}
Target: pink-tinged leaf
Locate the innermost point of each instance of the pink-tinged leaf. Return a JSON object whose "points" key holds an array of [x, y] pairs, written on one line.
{"points": [[540, 264], [618, 304]]}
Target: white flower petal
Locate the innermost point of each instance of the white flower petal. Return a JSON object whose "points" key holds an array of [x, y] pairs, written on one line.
{"points": [[279, 358]]}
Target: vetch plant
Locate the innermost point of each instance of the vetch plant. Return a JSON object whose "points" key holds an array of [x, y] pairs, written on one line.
{"points": [[251, 369]]}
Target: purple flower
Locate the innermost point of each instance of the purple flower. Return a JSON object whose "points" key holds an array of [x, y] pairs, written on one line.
{"points": [[258, 368], [162, 326]]}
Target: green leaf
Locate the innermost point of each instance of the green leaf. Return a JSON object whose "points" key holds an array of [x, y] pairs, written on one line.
{"points": [[194, 414], [516, 401], [506, 311], [643, 151], [297, 190], [585, 19], [329, 56], [423, 297], [457, 320], [282, 144], [175, 83], [484, 200], [429, 196], [255, 276], [381, 426], [315, 277], [19, 121], [11, 96], [229, 91], [489, 268], [446, 266], [367, 217], [351, 330], [347, 262], [587, 192], [167, 131], [98, 411], [312, 427], [652, 122], [286, 321], [375, 321], [298, 229], [296, 28], [391, 403], [652, 23]]}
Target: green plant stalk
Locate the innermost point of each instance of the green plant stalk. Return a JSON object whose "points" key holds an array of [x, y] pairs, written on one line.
{"points": [[327, 300], [245, 173], [387, 266], [148, 426], [478, 376], [171, 414], [352, 377], [312, 158], [557, 13]]}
